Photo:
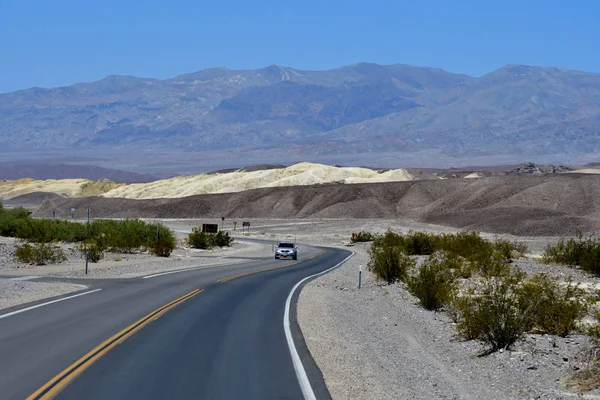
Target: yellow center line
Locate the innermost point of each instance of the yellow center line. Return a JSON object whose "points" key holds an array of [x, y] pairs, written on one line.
{"points": [[63, 379], [229, 278]]}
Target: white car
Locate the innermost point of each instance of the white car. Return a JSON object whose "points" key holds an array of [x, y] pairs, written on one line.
{"points": [[286, 250]]}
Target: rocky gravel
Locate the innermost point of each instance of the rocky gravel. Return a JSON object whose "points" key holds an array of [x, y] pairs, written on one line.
{"points": [[116, 265], [378, 343]]}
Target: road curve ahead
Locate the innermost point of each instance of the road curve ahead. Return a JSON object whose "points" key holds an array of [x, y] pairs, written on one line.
{"points": [[213, 333]]}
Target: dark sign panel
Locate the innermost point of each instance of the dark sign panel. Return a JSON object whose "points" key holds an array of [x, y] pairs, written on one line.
{"points": [[210, 228]]}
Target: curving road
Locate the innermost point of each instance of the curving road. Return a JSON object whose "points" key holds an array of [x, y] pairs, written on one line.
{"points": [[208, 333]]}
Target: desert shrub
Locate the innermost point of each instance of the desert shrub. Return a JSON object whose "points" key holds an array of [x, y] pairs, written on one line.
{"points": [[12, 220], [469, 251], [362, 236], [125, 236], [388, 261], [510, 250], [434, 284], [491, 264], [39, 254], [551, 307], [580, 251], [199, 240], [94, 252], [222, 239], [480, 255], [420, 243], [594, 329], [465, 244], [491, 313], [162, 242]]}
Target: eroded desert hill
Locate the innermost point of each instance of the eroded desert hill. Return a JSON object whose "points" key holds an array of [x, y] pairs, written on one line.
{"points": [[227, 182]]}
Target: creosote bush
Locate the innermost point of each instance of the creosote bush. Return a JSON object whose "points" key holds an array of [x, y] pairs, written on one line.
{"points": [[581, 251], [202, 240], [510, 250], [163, 245], [553, 308], [125, 236], [505, 307], [363, 236], [468, 251], [94, 251], [434, 284], [491, 313], [388, 260], [39, 254]]}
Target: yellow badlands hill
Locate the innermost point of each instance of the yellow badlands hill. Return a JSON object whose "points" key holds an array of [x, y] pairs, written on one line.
{"points": [[62, 187], [181, 186]]}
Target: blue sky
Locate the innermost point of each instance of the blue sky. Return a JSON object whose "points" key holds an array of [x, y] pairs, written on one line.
{"points": [[54, 43]]}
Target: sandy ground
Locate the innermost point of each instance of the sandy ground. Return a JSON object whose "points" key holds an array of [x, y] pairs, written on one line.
{"points": [[128, 265], [378, 343]]}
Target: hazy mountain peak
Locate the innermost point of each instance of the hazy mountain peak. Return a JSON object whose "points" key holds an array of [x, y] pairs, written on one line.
{"points": [[359, 108]]}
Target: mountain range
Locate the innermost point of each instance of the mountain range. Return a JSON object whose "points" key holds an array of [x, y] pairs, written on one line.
{"points": [[518, 110]]}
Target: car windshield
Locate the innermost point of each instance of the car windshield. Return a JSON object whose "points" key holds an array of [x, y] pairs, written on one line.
{"points": [[288, 245]]}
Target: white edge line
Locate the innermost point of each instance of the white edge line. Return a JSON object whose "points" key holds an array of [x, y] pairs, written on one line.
{"points": [[305, 386], [47, 303]]}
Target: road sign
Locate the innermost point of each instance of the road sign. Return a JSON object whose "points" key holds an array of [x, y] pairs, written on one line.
{"points": [[210, 228]]}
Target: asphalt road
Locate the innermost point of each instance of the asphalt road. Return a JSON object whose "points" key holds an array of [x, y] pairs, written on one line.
{"points": [[225, 341]]}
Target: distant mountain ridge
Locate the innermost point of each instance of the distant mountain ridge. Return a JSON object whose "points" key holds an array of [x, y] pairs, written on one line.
{"points": [[361, 108]]}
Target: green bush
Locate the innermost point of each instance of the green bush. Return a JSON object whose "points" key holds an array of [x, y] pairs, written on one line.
{"points": [[199, 240], [93, 250], [125, 236], [202, 240], [580, 251], [388, 261], [510, 250], [594, 329], [434, 284], [492, 314], [420, 243], [39, 254], [552, 308], [469, 245], [468, 250], [222, 239], [163, 244], [363, 236]]}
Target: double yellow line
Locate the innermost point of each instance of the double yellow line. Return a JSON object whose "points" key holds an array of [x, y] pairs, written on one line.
{"points": [[60, 381], [229, 278]]}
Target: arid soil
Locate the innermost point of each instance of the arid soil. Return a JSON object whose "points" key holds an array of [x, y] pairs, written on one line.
{"points": [[519, 205], [374, 343]]}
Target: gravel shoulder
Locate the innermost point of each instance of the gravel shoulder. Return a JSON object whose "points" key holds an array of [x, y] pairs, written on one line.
{"points": [[378, 343]]}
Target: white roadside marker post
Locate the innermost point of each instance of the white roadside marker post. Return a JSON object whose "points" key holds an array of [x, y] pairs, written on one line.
{"points": [[359, 275]]}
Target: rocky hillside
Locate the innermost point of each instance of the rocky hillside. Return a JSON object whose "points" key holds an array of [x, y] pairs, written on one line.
{"points": [[519, 204], [280, 111], [217, 182]]}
